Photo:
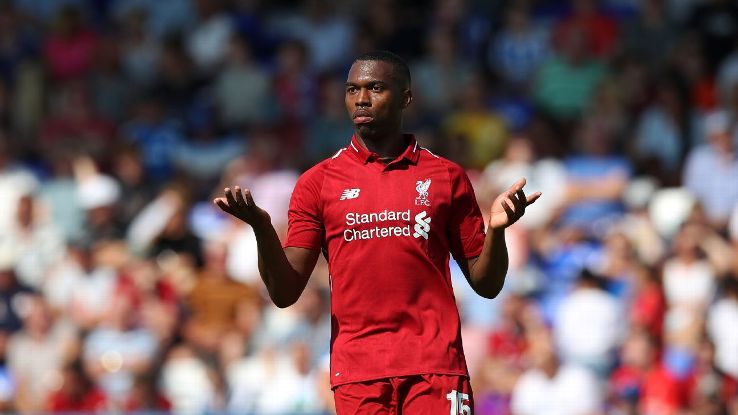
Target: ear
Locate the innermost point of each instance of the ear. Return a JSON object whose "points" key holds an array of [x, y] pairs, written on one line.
{"points": [[407, 98]]}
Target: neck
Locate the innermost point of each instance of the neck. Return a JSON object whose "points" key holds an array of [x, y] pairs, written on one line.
{"points": [[386, 145]]}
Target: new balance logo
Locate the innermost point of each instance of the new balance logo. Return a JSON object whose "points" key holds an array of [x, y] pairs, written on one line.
{"points": [[422, 225], [350, 194]]}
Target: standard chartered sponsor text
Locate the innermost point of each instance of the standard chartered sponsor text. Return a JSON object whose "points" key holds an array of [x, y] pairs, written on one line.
{"points": [[378, 231]]}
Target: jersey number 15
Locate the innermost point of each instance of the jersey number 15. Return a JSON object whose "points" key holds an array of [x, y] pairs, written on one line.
{"points": [[458, 407]]}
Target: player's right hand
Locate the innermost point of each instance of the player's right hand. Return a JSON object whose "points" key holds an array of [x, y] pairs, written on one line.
{"points": [[241, 205]]}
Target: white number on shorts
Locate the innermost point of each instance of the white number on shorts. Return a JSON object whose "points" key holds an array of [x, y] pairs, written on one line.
{"points": [[458, 407]]}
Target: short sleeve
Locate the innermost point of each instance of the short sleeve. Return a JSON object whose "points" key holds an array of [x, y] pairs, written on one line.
{"points": [[466, 227], [304, 219]]}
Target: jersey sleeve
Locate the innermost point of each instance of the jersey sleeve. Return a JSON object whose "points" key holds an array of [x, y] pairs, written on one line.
{"points": [[305, 227], [466, 227]]}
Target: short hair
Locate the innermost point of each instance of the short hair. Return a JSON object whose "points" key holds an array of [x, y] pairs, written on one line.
{"points": [[399, 66]]}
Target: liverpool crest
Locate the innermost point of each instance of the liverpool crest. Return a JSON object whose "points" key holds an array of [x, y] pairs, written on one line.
{"points": [[422, 187]]}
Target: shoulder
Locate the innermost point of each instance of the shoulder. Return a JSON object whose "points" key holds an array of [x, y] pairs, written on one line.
{"points": [[702, 154], [428, 157]]}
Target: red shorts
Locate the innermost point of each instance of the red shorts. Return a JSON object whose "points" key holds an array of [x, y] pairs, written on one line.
{"points": [[419, 394]]}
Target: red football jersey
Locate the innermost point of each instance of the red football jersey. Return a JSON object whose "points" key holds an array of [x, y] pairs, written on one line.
{"points": [[387, 231]]}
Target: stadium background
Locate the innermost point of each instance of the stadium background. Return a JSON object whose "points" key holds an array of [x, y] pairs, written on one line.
{"points": [[122, 288]]}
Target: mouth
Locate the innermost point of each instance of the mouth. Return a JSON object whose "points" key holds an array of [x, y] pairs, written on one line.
{"points": [[362, 117]]}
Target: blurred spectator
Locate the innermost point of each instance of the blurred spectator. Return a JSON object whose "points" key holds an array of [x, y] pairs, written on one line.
{"points": [[521, 159], [145, 396], [162, 228], [81, 286], [217, 304], [689, 61], [596, 181], [186, 382], [58, 193], [165, 17], [520, 47], [98, 195], [589, 306], [722, 315], [565, 81], [70, 49], [688, 277], [727, 81], [650, 35], [617, 266], [14, 300], [249, 20], [242, 89], [77, 392], [139, 48], [595, 25], [177, 81], [206, 150], [506, 355], [607, 109], [273, 383], [111, 93], [711, 169], [17, 43], [311, 336], [665, 131], [295, 83], [331, 129], [130, 171], [444, 70], [154, 134], [117, 350], [648, 305], [33, 244], [74, 122], [15, 181], [641, 384], [467, 19], [554, 387], [207, 42], [328, 35], [710, 389], [638, 225], [36, 355], [474, 133], [716, 23]]}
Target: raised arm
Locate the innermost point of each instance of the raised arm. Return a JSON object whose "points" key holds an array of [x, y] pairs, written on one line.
{"points": [[486, 273], [285, 271]]}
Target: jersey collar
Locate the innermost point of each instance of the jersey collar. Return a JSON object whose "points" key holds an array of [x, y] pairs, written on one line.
{"points": [[411, 153]]}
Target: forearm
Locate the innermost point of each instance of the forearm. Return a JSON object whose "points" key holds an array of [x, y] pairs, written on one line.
{"points": [[487, 273], [282, 281]]}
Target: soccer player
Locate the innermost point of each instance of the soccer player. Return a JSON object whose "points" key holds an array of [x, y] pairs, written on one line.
{"points": [[386, 213]]}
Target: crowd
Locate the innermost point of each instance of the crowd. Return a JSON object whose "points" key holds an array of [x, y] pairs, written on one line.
{"points": [[123, 288]]}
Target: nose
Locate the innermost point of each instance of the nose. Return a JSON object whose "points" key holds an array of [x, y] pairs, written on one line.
{"points": [[363, 100]]}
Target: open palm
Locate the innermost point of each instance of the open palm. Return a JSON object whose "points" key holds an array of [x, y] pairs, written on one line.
{"points": [[510, 206]]}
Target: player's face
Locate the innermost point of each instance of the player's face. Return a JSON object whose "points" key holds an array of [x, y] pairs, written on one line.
{"points": [[375, 98]]}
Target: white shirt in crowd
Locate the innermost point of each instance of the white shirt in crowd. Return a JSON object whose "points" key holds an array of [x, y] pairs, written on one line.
{"points": [[572, 391], [270, 383], [588, 327], [722, 322], [688, 284]]}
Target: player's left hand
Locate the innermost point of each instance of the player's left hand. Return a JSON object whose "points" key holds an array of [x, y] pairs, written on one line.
{"points": [[510, 206]]}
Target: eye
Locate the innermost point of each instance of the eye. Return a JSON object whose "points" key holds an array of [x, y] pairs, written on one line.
{"points": [[377, 88], [351, 89]]}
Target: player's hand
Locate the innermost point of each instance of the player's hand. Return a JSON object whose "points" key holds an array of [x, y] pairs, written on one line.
{"points": [[241, 205], [510, 206]]}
